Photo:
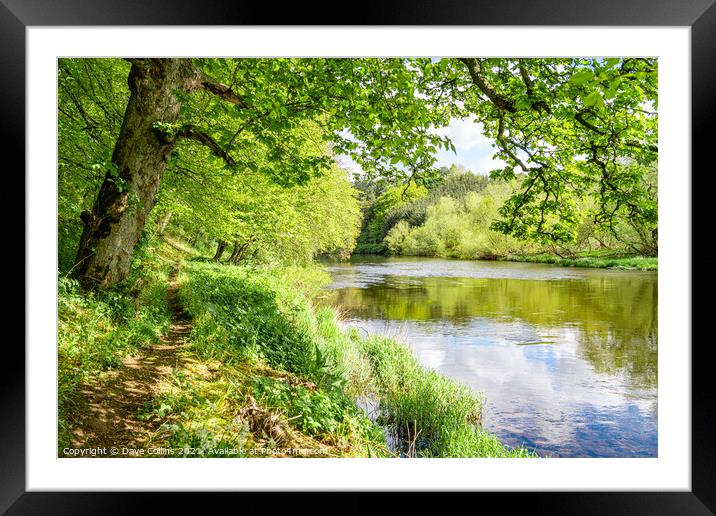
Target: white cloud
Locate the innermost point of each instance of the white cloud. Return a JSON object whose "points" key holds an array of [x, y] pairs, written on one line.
{"points": [[486, 164], [349, 164], [465, 134]]}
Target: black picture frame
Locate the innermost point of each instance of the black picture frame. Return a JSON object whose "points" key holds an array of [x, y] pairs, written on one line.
{"points": [[699, 15]]}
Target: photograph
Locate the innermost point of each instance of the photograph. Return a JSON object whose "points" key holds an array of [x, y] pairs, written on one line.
{"points": [[397, 257], [440, 253]]}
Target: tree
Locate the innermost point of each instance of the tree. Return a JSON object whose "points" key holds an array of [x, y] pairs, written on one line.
{"points": [[568, 128], [382, 103], [254, 214], [113, 227], [92, 96]]}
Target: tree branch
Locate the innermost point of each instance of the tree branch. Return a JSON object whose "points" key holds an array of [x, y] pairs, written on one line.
{"points": [[632, 143], [502, 141], [537, 105], [191, 132], [203, 81], [475, 68], [579, 117]]}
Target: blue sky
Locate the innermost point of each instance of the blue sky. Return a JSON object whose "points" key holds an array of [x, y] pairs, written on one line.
{"points": [[472, 150]]}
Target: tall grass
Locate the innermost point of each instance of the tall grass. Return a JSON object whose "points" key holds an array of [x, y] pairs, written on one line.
{"points": [[417, 405], [261, 319]]}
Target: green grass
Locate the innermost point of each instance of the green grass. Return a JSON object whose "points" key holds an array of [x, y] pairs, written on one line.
{"points": [[601, 262], [439, 415], [259, 325], [263, 366], [296, 363]]}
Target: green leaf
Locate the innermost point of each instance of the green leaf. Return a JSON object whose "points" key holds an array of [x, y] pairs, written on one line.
{"points": [[582, 77], [593, 99], [523, 104]]}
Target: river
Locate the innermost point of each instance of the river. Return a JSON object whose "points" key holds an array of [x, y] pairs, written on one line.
{"points": [[566, 357]]}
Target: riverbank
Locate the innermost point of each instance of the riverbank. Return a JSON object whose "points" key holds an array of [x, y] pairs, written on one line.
{"points": [[260, 371], [292, 361], [642, 263], [621, 262]]}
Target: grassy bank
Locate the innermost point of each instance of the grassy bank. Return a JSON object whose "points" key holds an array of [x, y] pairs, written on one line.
{"points": [[291, 374], [595, 261]]}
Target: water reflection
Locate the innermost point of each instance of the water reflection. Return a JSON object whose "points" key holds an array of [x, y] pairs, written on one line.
{"points": [[566, 357]]}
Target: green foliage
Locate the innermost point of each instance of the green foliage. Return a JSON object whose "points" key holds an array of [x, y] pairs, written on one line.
{"points": [[246, 315], [371, 248], [439, 414], [457, 228], [247, 310], [456, 182], [462, 225], [95, 331], [92, 94], [196, 417], [274, 223], [377, 110], [315, 411], [599, 262], [370, 241], [568, 129]]}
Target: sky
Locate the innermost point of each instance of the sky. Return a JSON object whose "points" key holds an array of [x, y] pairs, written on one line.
{"points": [[472, 150]]}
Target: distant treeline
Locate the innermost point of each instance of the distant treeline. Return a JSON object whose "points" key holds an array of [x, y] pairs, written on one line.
{"points": [[454, 218]]}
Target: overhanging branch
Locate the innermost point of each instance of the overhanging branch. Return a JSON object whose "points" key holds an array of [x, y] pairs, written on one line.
{"points": [[191, 132], [474, 66], [203, 81], [632, 143]]}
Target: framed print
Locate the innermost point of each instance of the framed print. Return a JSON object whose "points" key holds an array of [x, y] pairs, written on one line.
{"points": [[483, 190]]}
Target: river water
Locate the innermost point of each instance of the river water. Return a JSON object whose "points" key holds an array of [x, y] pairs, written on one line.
{"points": [[566, 357]]}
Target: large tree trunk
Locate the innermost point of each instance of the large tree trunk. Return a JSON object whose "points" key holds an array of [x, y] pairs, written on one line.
{"points": [[113, 227]]}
